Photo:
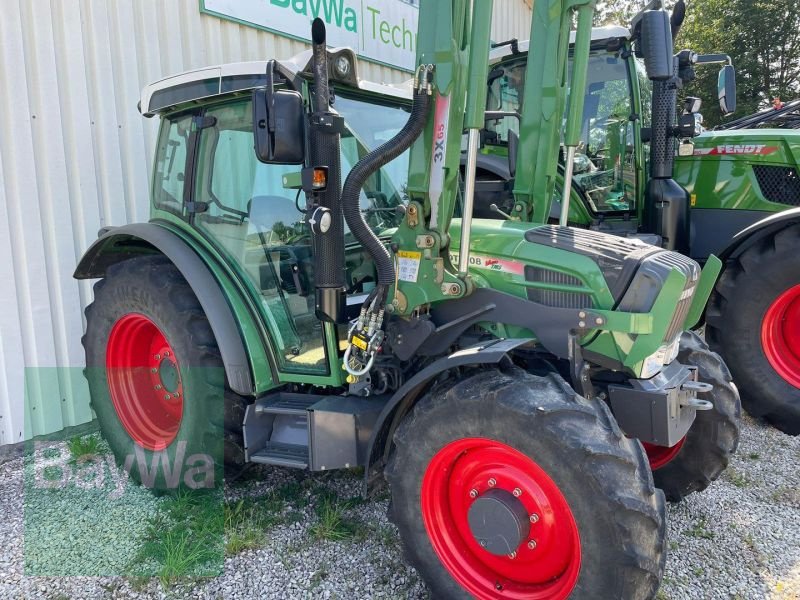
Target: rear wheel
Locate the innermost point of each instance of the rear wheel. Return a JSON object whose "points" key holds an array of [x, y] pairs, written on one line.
{"points": [[156, 378], [508, 485], [699, 458], [754, 321]]}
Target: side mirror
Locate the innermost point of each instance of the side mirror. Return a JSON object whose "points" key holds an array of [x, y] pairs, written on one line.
{"points": [[655, 44], [726, 87], [278, 117]]}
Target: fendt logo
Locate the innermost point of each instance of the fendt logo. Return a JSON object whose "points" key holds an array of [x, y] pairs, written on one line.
{"points": [[753, 149]]}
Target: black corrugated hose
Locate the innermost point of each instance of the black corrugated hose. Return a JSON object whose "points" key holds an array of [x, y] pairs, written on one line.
{"points": [[359, 175]]}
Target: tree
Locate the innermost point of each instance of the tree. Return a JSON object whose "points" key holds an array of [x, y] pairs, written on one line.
{"points": [[616, 12], [762, 37]]}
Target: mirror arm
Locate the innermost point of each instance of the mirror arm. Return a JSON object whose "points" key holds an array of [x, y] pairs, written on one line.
{"points": [[713, 59]]}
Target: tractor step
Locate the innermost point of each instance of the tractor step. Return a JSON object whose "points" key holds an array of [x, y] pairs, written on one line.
{"points": [[306, 431], [282, 455], [287, 404]]}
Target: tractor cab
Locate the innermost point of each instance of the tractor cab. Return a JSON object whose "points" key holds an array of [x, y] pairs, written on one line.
{"points": [[208, 179], [612, 166]]}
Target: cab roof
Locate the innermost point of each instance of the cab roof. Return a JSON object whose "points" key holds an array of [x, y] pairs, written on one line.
{"points": [[200, 84], [599, 34]]}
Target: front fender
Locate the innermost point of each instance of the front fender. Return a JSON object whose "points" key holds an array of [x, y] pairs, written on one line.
{"points": [[129, 241], [487, 353]]}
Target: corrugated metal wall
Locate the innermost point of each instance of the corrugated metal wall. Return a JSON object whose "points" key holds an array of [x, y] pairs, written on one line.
{"points": [[75, 155]]}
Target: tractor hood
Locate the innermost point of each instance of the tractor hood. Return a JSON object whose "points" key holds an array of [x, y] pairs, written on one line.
{"points": [[773, 146]]}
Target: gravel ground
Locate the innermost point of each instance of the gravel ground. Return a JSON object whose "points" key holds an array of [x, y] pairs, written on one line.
{"points": [[738, 539]]}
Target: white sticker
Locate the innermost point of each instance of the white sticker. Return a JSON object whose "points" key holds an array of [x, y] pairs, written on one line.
{"points": [[438, 157], [408, 265]]}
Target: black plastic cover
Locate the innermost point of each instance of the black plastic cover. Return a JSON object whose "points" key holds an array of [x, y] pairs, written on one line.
{"points": [[278, 126]]}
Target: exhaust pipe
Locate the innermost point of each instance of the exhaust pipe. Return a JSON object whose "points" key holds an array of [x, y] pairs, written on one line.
{"points": [[324, 212]]}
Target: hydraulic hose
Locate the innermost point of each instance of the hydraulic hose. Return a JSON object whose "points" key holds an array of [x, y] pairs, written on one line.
{"points": [[369, 165]]}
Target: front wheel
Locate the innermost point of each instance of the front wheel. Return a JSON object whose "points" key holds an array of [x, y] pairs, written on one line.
{"points": [[508, 485], [699, 458]]}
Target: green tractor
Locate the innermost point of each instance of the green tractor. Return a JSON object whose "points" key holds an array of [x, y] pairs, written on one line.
{"points": [[506, 378], [741, 200]]}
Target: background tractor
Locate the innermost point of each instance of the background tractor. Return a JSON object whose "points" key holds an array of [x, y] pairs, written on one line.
{"points": [[740, 189], [269, 313]]}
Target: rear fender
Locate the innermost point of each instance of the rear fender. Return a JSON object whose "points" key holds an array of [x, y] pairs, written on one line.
{"points": [[138, 239]]}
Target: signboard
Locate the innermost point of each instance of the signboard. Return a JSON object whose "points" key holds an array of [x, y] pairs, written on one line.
{"points": [[382, 31]]}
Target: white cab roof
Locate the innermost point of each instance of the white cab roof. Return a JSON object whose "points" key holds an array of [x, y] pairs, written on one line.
{"points": [[223, 79]]}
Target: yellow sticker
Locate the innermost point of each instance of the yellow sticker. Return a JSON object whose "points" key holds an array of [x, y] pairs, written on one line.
{"points": [[694, 199], [408, 265], [358, 342]]}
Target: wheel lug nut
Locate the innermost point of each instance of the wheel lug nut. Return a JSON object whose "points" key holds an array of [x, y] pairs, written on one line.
{"points": [[517, 492], [158, 387], [512, 556], [492, 482], [534, 518], [154, 370], [473, 493], [531, 544], [157, 357], [166, 353], [167, 397]]}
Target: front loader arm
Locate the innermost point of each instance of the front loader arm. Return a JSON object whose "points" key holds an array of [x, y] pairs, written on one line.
{"points": [[453, 37], [545, 95]]}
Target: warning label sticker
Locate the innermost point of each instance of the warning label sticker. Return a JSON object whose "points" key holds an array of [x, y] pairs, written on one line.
{"points": [[408, 267]]}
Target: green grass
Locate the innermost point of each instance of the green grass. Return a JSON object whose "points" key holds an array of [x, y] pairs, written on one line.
{"points": [[736, 478], [699, 530], [332, 524], [318, 577], [79, 447], [185, 537], [247, 521], [754, 456]]}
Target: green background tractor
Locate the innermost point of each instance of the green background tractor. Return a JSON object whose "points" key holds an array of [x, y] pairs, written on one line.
{"points": [[501, 374], [743, 192]]}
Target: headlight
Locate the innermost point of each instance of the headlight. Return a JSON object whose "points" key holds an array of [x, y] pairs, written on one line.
{"points": [[663, 356], [342, 66]]}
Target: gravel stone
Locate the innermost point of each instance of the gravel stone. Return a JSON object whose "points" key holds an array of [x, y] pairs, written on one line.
{"points": [[738, 539]]}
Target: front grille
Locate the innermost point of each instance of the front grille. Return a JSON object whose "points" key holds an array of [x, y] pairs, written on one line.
{"points": [[692, 272], [778, 184], [555, 298], [681, 312]]}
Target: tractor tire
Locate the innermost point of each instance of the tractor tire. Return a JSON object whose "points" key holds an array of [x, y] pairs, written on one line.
{"points": [[700, 457], [753, 321], [525, 455], [156, 379]]}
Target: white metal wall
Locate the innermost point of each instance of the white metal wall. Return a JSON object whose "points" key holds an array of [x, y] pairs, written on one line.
{"points": [[75, 155]]}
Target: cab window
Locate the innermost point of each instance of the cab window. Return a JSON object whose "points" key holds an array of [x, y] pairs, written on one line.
{"points": [[259, 225], [170, 165], [606, 159]]}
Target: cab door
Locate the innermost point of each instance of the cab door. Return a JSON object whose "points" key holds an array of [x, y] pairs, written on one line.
{"points": [[259, 227]]}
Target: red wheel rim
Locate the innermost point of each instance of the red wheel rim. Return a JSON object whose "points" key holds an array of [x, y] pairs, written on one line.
{"points": [[780, 335], [459, 474], [659, 456], [144, 381]]}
